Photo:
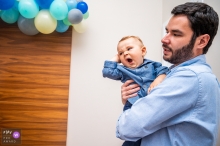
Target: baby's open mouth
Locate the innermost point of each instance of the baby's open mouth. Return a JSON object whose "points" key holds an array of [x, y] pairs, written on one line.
{"points": [[129, 60]]}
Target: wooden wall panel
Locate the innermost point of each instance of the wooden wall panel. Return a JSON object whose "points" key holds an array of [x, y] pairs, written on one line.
{"points": [[34, 84]]}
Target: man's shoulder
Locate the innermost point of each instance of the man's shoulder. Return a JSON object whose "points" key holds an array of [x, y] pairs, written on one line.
{"points": [[197, 68]]}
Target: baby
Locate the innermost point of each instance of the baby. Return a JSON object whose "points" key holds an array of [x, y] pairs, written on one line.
{"points": [[145, 72]]}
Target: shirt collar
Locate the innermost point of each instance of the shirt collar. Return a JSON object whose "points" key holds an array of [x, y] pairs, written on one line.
{"points": [[197, 59]]}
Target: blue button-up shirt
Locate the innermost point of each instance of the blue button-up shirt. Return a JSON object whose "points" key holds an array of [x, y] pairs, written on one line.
{"points": [[143, 75], [181, 111]]}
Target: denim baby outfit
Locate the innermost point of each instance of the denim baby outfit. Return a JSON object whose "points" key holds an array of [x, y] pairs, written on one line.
{"points": [[144, 75]]}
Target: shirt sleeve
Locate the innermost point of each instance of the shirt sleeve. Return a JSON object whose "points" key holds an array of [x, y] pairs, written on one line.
{"points": [[159, 69], [173, 96], [110, 70]]}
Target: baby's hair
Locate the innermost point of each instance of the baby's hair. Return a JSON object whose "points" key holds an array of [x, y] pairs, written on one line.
{"points": [[131, 36]]}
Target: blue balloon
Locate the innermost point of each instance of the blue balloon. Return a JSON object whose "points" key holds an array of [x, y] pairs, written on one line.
{"points": [[61, 27], [82, 6], [71, 4], [44, 4], [28, 8], [6, 4], [16, 5], [10, 16], [59, 9]]}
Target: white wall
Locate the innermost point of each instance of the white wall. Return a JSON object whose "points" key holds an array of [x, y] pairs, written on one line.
{"points": [[213, 55], [94, 101]]}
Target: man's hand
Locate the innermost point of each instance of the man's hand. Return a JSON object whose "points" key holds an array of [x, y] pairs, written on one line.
{"points": [[128, 90]]}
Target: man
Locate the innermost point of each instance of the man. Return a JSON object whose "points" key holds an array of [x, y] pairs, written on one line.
{"points": [[184, 109]]}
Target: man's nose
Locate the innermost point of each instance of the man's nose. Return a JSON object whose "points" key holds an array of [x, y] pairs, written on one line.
{"points": [[165, 39]]}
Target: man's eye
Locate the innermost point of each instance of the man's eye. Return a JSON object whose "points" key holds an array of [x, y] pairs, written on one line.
{"points": [[176, 34]]}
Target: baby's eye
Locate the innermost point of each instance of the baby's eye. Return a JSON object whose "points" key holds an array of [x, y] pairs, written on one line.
{"points": [[129, 49], [120, 53]]}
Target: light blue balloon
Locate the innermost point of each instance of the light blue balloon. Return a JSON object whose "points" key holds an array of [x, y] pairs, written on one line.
{"points": [[10, 16], [71, 4], [28, 8], [59, 9], [61, 27]]}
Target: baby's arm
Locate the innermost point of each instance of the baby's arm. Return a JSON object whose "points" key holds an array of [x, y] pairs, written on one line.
{"points": [[157, 81], [110, 69]]}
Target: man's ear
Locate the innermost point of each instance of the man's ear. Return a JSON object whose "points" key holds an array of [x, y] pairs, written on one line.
{"points": [[203, 41], [144, 51]]}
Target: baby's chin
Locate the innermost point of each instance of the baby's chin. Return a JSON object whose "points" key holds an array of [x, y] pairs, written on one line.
{"points": [[133, 66]]}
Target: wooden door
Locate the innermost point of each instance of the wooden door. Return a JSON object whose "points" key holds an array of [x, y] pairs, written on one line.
{"points": [[34, 85]]}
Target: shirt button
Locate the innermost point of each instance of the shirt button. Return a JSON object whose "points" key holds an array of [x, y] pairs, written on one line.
{"points": [[144, 86], [145, 66]]}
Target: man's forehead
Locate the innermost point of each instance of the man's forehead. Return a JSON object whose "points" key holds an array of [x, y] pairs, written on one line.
{"points": [[178, 22]]}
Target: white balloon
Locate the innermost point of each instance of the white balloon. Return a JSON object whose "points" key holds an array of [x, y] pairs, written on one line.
{"points": [[80, 27]]}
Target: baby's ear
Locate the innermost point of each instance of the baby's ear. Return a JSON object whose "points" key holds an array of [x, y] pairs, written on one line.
{"points": [[144, 51]]}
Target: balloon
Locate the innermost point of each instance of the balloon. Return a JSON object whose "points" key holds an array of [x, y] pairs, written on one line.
{"points": [[86, 15], [66, 21], [61, 27], [83, 7], [6, 4], [75, 16], [16, 5], [28, 8], [71, 4], [27, 26], [81, 27], [44, 4], [10, 16], [59, 9], [44, 22]]}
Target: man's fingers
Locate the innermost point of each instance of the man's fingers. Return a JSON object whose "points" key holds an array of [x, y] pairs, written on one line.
{"points": [[129, 90], [127, 83]]}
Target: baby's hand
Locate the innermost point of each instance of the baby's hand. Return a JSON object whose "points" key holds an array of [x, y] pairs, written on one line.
{"points": [[116, 59], [157, 81], [152, 85]]}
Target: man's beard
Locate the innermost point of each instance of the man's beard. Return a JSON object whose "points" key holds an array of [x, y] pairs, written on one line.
{"points": [[182, 54]]}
